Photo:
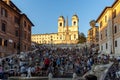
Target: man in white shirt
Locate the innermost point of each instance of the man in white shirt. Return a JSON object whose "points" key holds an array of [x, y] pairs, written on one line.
{"points": [[29, 71]]}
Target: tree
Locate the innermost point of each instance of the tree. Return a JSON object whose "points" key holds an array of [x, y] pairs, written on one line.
{"points": [[81, 38]]}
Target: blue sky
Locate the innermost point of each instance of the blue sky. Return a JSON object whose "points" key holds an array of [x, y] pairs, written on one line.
{"points": [[45, 13]]}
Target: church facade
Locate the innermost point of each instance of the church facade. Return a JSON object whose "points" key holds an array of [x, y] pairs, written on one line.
{"points": [[66, 34]]}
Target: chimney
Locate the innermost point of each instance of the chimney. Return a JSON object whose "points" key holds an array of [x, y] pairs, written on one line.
{"points": [[7, 1]]}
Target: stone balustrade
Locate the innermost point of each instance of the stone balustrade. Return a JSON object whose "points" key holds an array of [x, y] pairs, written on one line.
{"points": [[26, 78]]}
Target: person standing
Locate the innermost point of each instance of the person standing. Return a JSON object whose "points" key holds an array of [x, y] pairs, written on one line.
{"points": [[46, 62], [29, 72], [1, 72]]}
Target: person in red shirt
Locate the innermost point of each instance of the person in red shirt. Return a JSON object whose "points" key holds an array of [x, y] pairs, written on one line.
{"points": [[37, 70], [46, 63]]}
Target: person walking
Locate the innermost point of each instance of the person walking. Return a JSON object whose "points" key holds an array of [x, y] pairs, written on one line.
{"points": [[29, 72]]}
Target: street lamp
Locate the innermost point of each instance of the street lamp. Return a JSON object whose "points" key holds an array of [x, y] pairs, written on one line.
{"points": [[11, 42]]}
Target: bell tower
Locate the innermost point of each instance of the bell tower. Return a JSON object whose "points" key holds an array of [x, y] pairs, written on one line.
{"points": [[61, 23], [75, 28], [75, 20]]}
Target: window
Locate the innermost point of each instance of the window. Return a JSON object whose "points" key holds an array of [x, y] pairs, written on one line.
{"points": [[25, 34], [106, 32], [60, 24], [16, 32], [29, 37], [101, 36], [74, 36], [115, 43], [3, 27], [39, 41], [101, 24], [61, 37], [15, 45], [0, 41], [18, 46], [114, 13], [16, 20], [115, 29], [51, 39], [5, 42], [74, 23], [106, 45], [24, 23], [51, 36], [25, 47], [29, 28], [4, 12], [91, 32], [70, 37], [105, 18]]}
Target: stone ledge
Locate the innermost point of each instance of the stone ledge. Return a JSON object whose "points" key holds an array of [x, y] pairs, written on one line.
{"points": [[26, 78]]}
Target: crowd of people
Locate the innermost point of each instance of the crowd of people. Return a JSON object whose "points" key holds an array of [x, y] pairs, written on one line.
{"points": [[58, 61]]}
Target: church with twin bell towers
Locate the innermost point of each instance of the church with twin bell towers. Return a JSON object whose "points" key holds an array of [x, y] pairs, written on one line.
{"points": [[66, 34]]}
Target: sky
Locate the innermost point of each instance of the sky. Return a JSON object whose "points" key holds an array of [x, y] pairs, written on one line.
{"points": [[44, 14]]}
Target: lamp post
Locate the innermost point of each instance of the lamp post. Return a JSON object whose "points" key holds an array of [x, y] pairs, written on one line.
{"points": [[11, 42], [19, 41]]}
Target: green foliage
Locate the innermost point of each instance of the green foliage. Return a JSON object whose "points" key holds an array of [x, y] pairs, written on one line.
{"points": [[82, 38]]}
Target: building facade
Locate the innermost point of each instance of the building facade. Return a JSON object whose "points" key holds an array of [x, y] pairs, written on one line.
{"points": [[66, 34], [15, 29], [109, 29], [93, 34]]}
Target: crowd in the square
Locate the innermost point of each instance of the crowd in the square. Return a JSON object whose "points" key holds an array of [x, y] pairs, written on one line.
{"points": [[58, 61]]}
